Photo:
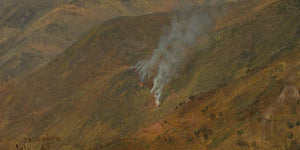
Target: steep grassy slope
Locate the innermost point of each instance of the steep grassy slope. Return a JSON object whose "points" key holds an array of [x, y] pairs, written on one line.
{"points": [[257, 107], [32, 32], [89, 98], [87, 93]]}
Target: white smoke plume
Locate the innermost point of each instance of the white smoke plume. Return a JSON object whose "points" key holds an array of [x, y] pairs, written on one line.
{"points": [[187, 25]]}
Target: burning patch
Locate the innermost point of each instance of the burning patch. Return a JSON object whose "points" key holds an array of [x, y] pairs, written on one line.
{"points": [[187, 25]]}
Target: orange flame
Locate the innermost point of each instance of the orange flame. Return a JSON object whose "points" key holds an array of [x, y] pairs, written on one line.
{"points": [[141, 84]]}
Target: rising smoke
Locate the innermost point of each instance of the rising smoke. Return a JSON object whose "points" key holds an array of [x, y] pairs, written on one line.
{"points": [[187, 25]]}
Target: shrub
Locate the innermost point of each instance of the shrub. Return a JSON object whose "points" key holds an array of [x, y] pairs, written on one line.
{"points": [[197, 132], [290, 135], [212, 116], [205, 136], [240, 132], [205, 130], [298, 123], [205, 109], [192, 97], [220, 113], [241, 143], [182, 103], [290, 125]]}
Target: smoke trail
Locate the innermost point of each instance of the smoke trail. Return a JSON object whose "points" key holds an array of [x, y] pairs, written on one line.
{"points": [[186, 26]]}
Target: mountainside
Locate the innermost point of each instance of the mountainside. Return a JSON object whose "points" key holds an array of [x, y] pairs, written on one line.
{"points": [[256, 106], [238, 90], [88, 88], [32, 32]]}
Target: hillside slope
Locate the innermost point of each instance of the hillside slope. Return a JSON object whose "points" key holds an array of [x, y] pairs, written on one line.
{"points": [[90, 99], [32, 32], [257, 107], [88, 92]]}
